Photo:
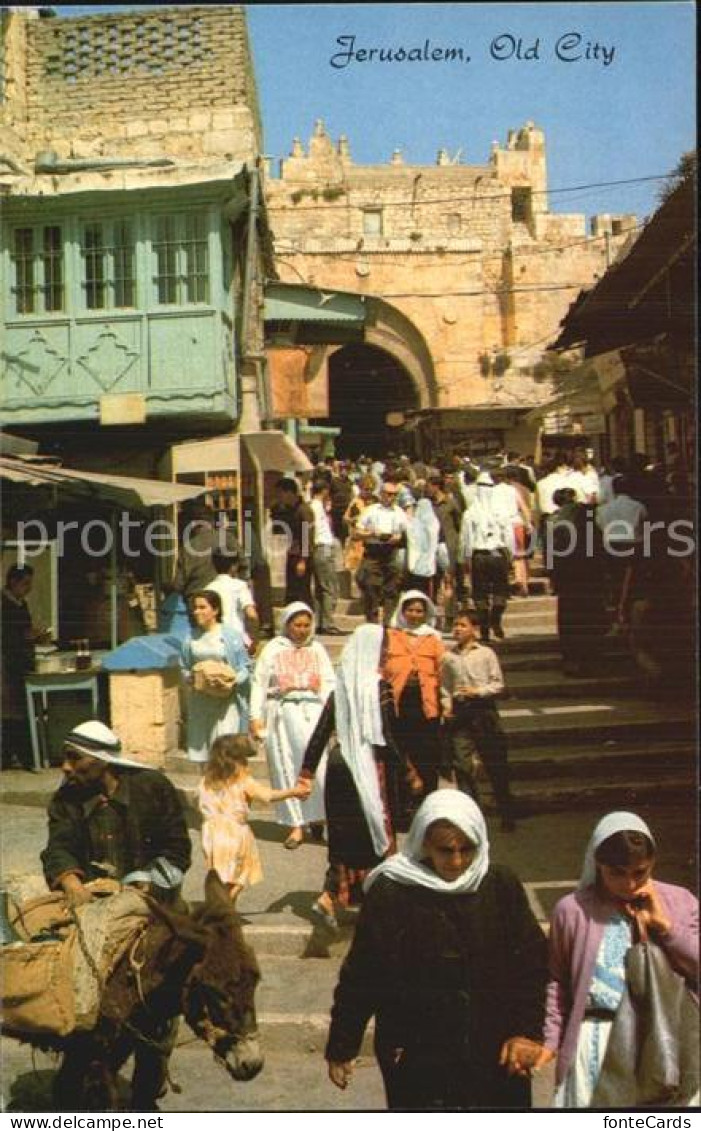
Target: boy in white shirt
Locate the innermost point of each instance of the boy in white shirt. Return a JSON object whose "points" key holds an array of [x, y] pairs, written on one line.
{"points": [[238, 607]]}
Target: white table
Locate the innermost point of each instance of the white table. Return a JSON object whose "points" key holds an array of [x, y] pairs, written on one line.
{"points": [[39, 686]]}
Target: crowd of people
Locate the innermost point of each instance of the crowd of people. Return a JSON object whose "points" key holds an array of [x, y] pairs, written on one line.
{"points": [[382, 756], [466, 533], [430, 548]]}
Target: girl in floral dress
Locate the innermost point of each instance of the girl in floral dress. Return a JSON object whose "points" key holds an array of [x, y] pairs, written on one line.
{"points": [[224, 796]]}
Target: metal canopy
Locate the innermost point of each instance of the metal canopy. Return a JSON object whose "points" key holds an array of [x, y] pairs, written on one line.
{"points": [[275, 451], [289, 302], [117, 490]]}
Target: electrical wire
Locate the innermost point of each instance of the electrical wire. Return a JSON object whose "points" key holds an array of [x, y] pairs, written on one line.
{"points": [[390, 257], [473, 198]]}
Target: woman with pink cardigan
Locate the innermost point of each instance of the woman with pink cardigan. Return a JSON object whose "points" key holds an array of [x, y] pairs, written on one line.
{"points": [[616, 904]]}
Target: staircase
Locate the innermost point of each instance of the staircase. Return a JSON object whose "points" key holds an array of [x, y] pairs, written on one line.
{"points": [[601, 739]]}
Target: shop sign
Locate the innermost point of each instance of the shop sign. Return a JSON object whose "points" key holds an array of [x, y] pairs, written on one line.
{"points": [[299, 382], [123, 408]]}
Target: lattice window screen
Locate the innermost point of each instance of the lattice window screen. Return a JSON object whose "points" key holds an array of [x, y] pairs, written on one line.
{"points": [[93, 50]]}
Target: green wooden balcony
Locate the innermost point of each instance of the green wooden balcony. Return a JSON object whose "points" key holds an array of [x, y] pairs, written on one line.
{"points": [[119, 306]]}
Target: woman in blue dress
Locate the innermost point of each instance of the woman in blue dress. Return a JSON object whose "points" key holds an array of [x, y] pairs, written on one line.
{"points": [[209, 716]]}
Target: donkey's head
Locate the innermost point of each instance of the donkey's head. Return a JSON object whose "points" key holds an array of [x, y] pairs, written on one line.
{"points": [[218, 997]]}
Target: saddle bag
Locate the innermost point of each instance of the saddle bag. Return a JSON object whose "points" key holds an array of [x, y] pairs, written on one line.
{"points": [[37, 989], [51, 982]]}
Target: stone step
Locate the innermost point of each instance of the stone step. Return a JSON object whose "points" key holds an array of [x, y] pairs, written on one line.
{"points": [[543, 604], [557, 794], [537, 584], [529, 684], [530, 723], [533, 604], [529, 654], [634, 759]]}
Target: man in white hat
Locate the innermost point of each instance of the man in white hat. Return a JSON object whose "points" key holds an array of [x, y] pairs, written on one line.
{"points": [[112, 817]]}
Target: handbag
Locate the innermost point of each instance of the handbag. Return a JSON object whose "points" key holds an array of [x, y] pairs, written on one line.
{"points": [[652, 1057], [214, 677]]}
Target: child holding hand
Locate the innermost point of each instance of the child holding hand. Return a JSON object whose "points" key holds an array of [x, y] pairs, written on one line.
{"points": [[224, 796]]}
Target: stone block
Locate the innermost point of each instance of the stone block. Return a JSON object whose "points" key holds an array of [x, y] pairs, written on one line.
{"points": [[221, 119], [200, 120], [226, 141], [145, 713], [137, 129]]}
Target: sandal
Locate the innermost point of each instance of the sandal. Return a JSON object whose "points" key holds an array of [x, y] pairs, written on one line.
{"points": [[327, 918], [293, 842]]}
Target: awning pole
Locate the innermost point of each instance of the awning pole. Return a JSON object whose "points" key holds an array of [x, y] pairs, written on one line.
{"points": [[114, 600]]}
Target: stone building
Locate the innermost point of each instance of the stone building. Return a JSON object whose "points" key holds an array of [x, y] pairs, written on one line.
{"points": [[467, 275], [133, 253], [129, 145]]}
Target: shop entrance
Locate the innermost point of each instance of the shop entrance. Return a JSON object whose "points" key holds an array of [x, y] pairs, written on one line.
{"points": [[365, 384]]}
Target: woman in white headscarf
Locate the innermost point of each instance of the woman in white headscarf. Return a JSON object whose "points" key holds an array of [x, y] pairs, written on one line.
{"points": [[616, 904], [292, 680], [365, 774], [450, 960], [412, 667]]}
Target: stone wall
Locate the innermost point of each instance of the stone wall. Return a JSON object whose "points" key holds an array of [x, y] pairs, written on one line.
{"points": [[175, 83], [469, 253], [13, 103]]}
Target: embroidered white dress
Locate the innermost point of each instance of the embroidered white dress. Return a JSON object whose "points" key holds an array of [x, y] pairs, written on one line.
{"points": [[290, 687]]}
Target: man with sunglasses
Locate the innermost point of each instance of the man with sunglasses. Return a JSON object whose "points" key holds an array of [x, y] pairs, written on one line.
{"points": [[382, 528]]}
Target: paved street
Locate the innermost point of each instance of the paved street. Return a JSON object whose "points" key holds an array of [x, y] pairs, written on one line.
{"points": [[578, 749]]}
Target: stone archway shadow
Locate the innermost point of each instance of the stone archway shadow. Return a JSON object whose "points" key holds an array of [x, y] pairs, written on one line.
{"points": [[391, 331], [390, 372]]}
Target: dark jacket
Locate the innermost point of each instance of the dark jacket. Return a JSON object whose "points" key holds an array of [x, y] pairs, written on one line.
{"points": [[297, 522], [577, 550], [449, 515], [195, 568], [153, 819], [448, 979], [17, 655]]}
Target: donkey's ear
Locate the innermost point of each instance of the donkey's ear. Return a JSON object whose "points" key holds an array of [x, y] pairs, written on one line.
{"points": [[215, 893], [181, 926]]}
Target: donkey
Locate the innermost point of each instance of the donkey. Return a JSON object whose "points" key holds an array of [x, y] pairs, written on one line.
{"points": [[196, 965]]}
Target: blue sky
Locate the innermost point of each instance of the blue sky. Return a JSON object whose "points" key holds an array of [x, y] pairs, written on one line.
{"points": [[629, 118]]}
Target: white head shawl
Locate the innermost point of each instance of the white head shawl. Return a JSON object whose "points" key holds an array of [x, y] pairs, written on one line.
{"points": [[291, 611], [359, 723], [618, 822], [422, 539], [398, 620], [406, 867]]}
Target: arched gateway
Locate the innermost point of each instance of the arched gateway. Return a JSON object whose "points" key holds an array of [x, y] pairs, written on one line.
{"points": [[390, 373]]}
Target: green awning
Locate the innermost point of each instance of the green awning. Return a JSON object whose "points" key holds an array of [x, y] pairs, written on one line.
{"points": [[288, 302], [320, 430]]}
